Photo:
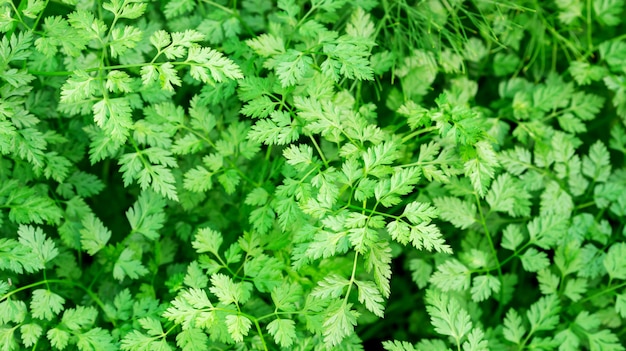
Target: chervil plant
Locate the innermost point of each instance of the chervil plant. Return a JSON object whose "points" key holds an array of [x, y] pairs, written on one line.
{"points": [[312, 175]]}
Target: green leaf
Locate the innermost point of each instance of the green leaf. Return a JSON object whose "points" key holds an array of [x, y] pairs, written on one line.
{"points": [[283, 331], [475, 341], [146, 217], [547, 230], [137, 341], [513, 327], [575, 288], [474, 50], [483, 286], [17, 257], [620, 305], [597, 165], [122, 40], [361, 26], [77, 88], [362, 238], [27, 206], [57, 166], [481, 168], [15, 47], [208, 65], [150, 168], [461, 214], [428, 237], [12, 311], [292, 66], [544, 314], [604, 340], [608, 12], [402, 181], [86, 184], [267, 45], [192, 307], [160, 39], [451, 275], [198, 180], [571, 124], [207, 240], [176, 8], [265, 271], [42, 248], [94, 235], [371, 297], [260, 107], [584, 73], [257, 197], [96, 339], [504, 64], [534, 260], [339, 322], [31, 333], [151, 325], [548, 282], [193, 339], [238, 326], [379, 262], [417, 116], [567, 340], [59, 338], [447, 315], [286, 296], [166, 75], [122, 305], [398, 346], [508, 195], [195, 277], [79, 318], [418, 212], [46, 304], [348, 60], [420, 272], [586, 106], [615, 261], [569, 11], [125, 9], [229, 180], [331, 286], [555, 202], [618, 138], [128, 265], [280, 129], [512, 237], [300, 155], [229, 292]]}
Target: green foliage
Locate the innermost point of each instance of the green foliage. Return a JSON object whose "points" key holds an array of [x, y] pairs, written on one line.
{"points": [[312, 175]]}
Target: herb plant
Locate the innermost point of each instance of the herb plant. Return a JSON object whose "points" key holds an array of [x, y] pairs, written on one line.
{"points": [[312, 175]]}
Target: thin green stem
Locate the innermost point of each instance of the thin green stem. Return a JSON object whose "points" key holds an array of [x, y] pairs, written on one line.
{"points": [[319, 151], [258, 329], [279, 313], [418, 132], [370, 211], [89, 292], [494, 252], [21, 6], [602, 292], [589, 27], [352, 278]]}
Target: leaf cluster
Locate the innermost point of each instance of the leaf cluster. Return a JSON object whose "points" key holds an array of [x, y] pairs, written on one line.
{"points": [[312, 175]]}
